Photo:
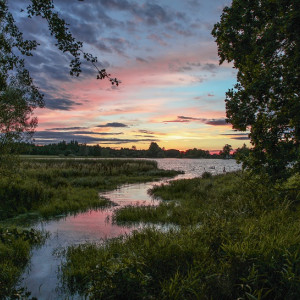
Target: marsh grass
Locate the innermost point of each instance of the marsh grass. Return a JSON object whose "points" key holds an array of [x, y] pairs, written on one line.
{"points": [[47, 188], [15, 245], [58, 186], [239, 238]]}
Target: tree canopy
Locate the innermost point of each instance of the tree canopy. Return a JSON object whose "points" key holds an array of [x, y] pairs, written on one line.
{"points": [[261, 38]]}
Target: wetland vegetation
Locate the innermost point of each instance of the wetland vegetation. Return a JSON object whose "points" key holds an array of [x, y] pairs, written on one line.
{"points": [[46, 188], [238, 237]]}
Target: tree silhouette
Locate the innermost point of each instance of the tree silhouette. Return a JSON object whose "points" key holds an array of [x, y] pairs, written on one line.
{"points": [[225, 153], [261, 38], [154, 150]]}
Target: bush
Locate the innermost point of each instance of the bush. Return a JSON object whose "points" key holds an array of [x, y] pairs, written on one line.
{"points": [[206, 175]]}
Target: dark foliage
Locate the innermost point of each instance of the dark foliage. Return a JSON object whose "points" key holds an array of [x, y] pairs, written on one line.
{"points": [[262, 39]]}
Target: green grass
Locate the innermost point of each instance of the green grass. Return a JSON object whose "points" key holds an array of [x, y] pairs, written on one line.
{"points": [[46, 188], [239, 238]]}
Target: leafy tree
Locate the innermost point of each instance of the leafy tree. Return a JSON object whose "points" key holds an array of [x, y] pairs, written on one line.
{"points": [[225, 153], [16, 122], [242, 154], [154, 150], [16, 119], [261, 38]]}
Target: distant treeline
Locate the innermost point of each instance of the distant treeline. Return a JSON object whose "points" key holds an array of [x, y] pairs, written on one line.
{"points": [[75, 149], [154, 151]]}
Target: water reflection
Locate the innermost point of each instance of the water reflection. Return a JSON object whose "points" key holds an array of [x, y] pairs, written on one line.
{"points": [[96, 226]]}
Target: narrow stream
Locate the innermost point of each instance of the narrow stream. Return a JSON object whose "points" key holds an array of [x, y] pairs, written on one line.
{"points": [[40, 277]]}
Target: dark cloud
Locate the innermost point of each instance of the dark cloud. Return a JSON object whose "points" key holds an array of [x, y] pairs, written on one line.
{"points": [[184, 68], [210, 67], [90, 34], [113, 124], [102, 47], [238, 136], [188, 66], [87, 10], [194, 64], [194, 3], [235, 134], [118, 44], [50, 63], [214, 122], [188, 118], [146, 131], [180, 29], [155, 14], [180, 15], [177, 121], [117, 4], [47, 137], [95, 133], [144, 135], [101, 35], [198, 79], [56, 72], [157, 39], [67, 128], [150, 13], [60, 131], [141, 60], [32, 28], [60, 103]]}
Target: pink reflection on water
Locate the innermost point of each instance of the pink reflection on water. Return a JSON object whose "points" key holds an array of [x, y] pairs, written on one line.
{"points": [[91, 226]]}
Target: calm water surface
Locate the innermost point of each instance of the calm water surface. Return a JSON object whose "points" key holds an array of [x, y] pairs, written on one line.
{"points": [[40, 277]]}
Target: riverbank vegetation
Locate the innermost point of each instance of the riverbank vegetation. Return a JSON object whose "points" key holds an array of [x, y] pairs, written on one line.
{"points": [[237, 237], [15, 246], [44, 188], [56, 186]]}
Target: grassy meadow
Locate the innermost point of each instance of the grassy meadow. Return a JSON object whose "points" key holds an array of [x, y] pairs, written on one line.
{"points": [[237, 237], [46, 188]]}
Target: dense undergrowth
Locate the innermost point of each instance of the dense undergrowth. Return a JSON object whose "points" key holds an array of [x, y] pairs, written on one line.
{"points": [[50, 187], [239, 238]]}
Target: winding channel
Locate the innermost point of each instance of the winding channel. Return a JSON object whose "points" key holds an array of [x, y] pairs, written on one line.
{"points": [[41, 276]]}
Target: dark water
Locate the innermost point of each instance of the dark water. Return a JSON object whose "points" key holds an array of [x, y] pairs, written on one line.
{"points": [[40, 277]]}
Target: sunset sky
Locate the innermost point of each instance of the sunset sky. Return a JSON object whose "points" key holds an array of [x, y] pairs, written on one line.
{"points": [[172, 89]]}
